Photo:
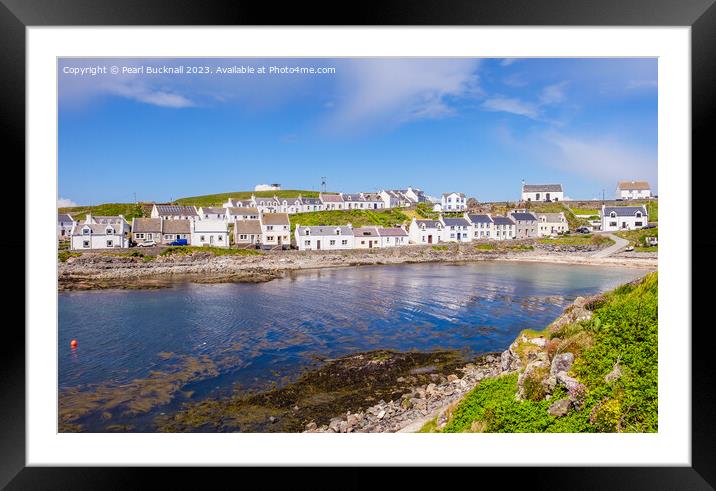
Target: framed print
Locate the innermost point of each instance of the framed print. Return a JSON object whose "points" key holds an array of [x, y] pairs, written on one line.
{"points": [[419, 238]]}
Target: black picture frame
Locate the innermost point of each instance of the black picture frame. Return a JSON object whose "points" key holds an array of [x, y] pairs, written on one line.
{"points": [[700, 15]]}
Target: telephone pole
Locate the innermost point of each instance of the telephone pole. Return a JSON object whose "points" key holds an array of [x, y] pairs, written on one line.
{"points": [[323, 184]]}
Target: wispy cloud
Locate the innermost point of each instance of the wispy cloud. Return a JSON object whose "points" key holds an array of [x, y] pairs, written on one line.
{"points": [[140, 92], [511, 105], [65, 203], [389, 91], [508, 61], [641, 84], [553, 94]]}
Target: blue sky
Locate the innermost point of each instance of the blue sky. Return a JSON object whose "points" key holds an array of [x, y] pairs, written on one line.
{"points": [[477, 126]]}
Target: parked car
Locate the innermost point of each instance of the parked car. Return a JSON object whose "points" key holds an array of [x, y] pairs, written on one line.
{"points": [[583, 230], [649, 225], [179, 242], [146, 243], [629, 248]]}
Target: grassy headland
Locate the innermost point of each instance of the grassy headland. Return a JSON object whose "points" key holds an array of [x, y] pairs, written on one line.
{"points": [[358, 218], [614, 372], [129, 210]]}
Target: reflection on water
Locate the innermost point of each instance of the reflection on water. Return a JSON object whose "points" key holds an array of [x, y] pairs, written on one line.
{"points": [[255, 334]]}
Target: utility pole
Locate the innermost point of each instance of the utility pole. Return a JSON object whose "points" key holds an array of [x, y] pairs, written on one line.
{"points": [[323, 184], [135, 197], [602, 196]]}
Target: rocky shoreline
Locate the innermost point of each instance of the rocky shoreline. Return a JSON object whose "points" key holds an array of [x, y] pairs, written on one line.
{"points": [[101, 271]]}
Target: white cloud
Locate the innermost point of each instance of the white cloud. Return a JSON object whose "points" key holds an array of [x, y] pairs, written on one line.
{"points": [[65, 203], [508, 61], [263, 187], [641, 84], [142, 93], [553, 94], [511, 105], [395, 91]]}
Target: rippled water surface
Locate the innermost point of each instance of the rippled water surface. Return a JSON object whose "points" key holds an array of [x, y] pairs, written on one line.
{"points": [[259, 333]]}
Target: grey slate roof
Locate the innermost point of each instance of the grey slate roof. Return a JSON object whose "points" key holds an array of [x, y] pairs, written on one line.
{"points": [[502, 221], [392, 232], [537, 188], [311, 201], [365, 232], [243, 210], [64, 218], [151, 225], [480, 218], [213, 210], [352, 197], [637, 185], [325, 230], [176, 210], [176, 227], [331, 198], [624, 211], [275, 219], [462, 195], [523, 216], [456, 222], [372, 196], [551, 217], [429, 223], [247, 227], [97, 228]]}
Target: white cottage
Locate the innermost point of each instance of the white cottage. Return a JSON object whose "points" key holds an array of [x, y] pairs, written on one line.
{"points": [[211, 213], [366, 237], [633, 190], [392, 236], [551, 224], [324, 237], [210, 232], [64, 226], [275, 230], [247, 233], [453, 202], [624, 218], [482, 227], [241, 213], [174, 212], [332, 202], [455, 230], [106, 232], [505, 228], [542, 192], [373, 201], [425, 231]]}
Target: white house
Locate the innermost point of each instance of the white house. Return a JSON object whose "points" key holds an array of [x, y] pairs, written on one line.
{"points": [[505, 228], [173, 230], [241, 213], [210, 232], [366, 237], [106, 232], [236, 203], [275, 230], [633, 190], [455, 230], [247, 232], [354, 201], [332, 201], [392, 236], [525, 223], [266, 205], [211, 213], [310, 204], [64, 226], [415, 195], [453, 202], [146, 229], [551, 224], [324, 237], [542, 192], [482, 227], [373, 201], [623, 217], [425, 231], [174, 212]]}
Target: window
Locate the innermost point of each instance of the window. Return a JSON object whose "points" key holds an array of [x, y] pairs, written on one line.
{"points": [[269, 238], [269, 227], [307, 243], [85, 244], [202, 238], [243, 237], [140, 236], [344, 242], [86, 231], [612, 224], [332, 242], [221, 238], [110, 243], [637, 224]]}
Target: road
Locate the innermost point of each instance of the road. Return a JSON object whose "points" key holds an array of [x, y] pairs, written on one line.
{"points": [[618, 245]]}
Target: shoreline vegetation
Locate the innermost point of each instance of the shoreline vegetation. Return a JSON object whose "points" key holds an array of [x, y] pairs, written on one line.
{"points": [[593, 369], [162, 268]]}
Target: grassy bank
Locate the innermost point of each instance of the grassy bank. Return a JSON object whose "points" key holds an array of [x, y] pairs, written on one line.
{"points": [[637, 238], [576, 240], [615, 365], [129, 210], [217, 251], [219, 199], [358, 218]]}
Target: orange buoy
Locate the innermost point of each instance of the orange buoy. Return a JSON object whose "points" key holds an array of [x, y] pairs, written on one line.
{"points": [[73, 343]]}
